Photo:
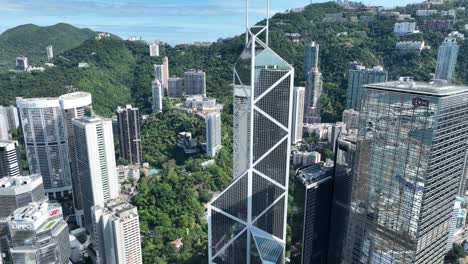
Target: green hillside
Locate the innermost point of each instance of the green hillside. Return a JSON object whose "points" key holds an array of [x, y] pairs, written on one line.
{"points": [[31, 40]]}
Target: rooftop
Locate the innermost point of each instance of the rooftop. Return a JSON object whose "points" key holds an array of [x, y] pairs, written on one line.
{"points": [[407, 85], [314, 174], [8, 145], [35, 215]]}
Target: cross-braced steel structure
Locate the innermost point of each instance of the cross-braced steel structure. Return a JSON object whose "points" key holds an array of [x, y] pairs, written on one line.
{"points": [[247, 221]]}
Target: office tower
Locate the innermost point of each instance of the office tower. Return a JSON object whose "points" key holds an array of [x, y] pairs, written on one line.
{"points": [[50, 52], [311, 57], [174, 88], [46, 143], [9, 121], [9, 159], [350, 118], [15, 192], [195, 82], [318, 183], [247, 221], [312, 97], [117, 233], [22, 63], [165, 81], [154, 50], [74, 106], [158, 92], [213, 133], [358, 76], [447, 60], [298, 114], [95, 157], [345, 164], [336, 129], [411, 149], [129, 123], [39, 234]]}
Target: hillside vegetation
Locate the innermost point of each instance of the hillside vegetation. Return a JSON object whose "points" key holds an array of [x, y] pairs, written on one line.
{"points": [[31, 41]]}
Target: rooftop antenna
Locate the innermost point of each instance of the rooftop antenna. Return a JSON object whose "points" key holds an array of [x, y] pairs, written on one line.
{"points": [[264, 27]]}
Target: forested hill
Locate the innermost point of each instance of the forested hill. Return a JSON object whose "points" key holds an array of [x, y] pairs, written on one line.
{"points": [[31, 41], [121, 71]]}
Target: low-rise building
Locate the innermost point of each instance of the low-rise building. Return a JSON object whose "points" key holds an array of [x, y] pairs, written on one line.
{"points": [[404, 28], [200, 104], [305, 158], [334, 18], [130, 172], [426, 12], [411, 45], [189, 144], [437, 25]]}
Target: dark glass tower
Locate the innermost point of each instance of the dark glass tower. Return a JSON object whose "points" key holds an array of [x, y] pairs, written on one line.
{"points": [[411, 149]]}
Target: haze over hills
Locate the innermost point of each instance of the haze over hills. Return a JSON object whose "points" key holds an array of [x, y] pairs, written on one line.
{"points": [[31, 41]]}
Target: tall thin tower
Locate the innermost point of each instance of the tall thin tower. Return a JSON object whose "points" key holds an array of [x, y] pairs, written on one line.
{"points": [[247, 221]]}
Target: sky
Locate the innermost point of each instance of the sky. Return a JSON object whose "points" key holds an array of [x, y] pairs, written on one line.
{"points": [[172, 21]]}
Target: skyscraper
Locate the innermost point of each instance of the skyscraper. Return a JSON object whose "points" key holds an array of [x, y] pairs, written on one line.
{"points": [[318, 183], [9, 159], [157, 91], [117, 230], [358, 76], [447, 60], [160, 75], [313, 93], [298, 114], [247, 221], [165, 81], [39, 234], [16, 192], [195, 82], [129, 123], [9, 121], [174, 88], [336, 129], [213, 133], [46, 142], [154, 49], [50, 52], [411, 149], [95, 155], [73, 106], [311, 57]]}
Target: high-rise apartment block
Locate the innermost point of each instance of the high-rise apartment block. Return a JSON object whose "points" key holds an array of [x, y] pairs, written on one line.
{"points": [[175, 87], [313, 93], [160, 75], [9, 121], [298, 115], [74, 106], [247, 221], [95, 155], [447, 60], [213, 133], [403, 189], [195, 82], [50, 52], [165, 81], [336, 130], [9, 159], [158, 93], [358, 75], [318, 183], [311, 57], [154, 50], [117, 233], [129, 123], [351, 118], [16, 192], [46, 143], [22, 63], [39, 234]]}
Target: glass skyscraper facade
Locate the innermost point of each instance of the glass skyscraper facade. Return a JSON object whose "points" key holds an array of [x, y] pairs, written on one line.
{"points": [[411, 149], [247, 221]]}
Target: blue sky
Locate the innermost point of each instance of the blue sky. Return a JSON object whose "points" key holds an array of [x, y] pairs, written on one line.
{"points": [[173, 21]]}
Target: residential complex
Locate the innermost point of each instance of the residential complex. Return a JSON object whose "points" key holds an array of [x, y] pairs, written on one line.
{"points": [[154, 50], [313, 89], [50, 52], [447, 60], [22, 64], [404, 28], [213, 133], [358, 75], [298, 115], [117, 233], [175, 87], [195, 82], [158, 93], [46, 144], [129, 126], [311, 57], [9, 121]]}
